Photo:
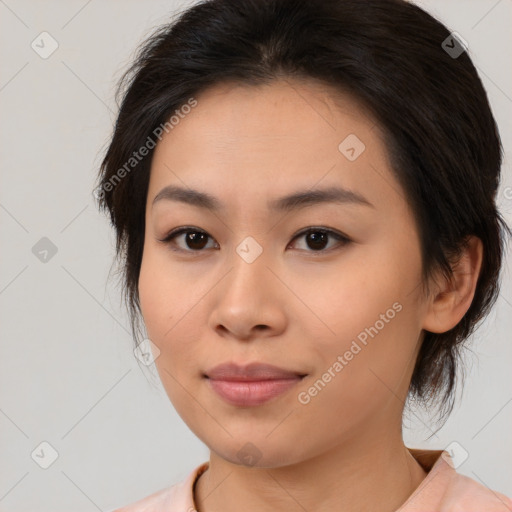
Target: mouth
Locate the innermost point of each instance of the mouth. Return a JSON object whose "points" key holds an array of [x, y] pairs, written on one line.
{"points": [[252, 384], [250, 393], [255, 371]]}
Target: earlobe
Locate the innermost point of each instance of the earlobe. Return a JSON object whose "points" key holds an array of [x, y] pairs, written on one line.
{"points": [[453, 297]]}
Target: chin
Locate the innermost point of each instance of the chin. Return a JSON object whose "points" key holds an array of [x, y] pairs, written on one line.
{"points": [[260, 454]]}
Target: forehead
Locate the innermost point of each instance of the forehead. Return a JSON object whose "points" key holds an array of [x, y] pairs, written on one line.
{"points": [[268, 140], [278, 109]]}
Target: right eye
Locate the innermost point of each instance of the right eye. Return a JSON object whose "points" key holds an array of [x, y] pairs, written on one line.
{"points": [[195, 239]]}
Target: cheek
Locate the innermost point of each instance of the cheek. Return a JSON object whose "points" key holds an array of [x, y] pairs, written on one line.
{"points": [[168, 311], [369, 316], [150, 296], [162, 310], [365, 369], [159, 301]]}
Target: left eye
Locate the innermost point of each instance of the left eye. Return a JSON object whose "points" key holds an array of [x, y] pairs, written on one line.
{"points": [[317, 238], [196, 239]]}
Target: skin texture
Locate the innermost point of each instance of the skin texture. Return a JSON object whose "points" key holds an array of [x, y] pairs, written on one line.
{"points": [[293, 307]]}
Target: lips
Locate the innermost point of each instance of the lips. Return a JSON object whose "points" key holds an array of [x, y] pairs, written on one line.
{"points": [[251, 385], [250, 373]]}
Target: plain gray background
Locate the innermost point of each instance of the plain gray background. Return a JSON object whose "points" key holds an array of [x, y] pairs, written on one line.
{"points": [[68, 375]]}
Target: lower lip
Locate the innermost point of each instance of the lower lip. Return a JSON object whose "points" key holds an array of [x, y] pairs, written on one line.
{"points": [[246, 394]]}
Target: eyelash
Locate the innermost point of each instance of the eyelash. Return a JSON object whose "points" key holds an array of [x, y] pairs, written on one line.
{"points": [[313, 229]]}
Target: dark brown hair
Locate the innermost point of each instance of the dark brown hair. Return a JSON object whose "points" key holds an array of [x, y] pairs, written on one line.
{"points": [[399, 62]]}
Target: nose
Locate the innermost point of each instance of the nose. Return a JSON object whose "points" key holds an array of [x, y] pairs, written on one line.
{"points": [[249, 301]]}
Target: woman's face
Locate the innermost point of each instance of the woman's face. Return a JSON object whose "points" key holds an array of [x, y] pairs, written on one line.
{"points": [[348, 314]]}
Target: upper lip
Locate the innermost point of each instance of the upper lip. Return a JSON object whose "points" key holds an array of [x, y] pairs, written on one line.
{"points": [[250, 372]]}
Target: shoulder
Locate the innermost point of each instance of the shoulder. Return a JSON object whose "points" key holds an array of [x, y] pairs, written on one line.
{"points": [[464, 494], [158, 501], [446, 490], [178, 497]]}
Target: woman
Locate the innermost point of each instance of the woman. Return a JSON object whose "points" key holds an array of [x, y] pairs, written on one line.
{"points": [[304, 200]]}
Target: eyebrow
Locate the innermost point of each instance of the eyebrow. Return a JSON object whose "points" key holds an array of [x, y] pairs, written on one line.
{"points": [[291, 202]]}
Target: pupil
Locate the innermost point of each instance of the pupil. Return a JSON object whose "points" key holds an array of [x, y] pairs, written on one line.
{"points": [[315, 240], [194, 238]]}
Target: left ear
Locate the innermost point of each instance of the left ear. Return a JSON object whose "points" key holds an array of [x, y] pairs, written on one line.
{"points": [[453, 296]]}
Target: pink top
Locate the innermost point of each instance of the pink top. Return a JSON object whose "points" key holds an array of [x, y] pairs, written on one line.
{"points": [[442, 490]]}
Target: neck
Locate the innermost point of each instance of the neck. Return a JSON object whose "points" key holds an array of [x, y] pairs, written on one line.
{"points": [[375, 476]]}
